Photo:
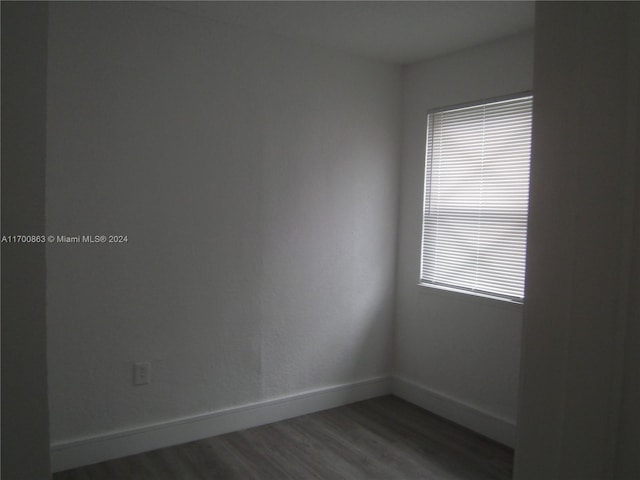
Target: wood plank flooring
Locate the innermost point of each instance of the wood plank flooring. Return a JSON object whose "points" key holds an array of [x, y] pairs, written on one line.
{"points": [[383, 438]]}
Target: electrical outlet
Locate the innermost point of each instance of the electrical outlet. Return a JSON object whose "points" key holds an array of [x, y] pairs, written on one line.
{"points": [[141, 373]]}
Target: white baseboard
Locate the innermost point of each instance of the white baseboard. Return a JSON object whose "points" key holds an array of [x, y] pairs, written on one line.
{"points": [[98, 448], [490, 425]]}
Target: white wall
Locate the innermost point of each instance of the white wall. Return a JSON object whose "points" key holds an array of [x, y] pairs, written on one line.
{"points": [[455, 354], [628, 442], [578, 410], [25, 422], [256, 179]]}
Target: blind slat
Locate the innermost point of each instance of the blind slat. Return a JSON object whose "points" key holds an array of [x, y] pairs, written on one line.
{"points": [[476, 197]]}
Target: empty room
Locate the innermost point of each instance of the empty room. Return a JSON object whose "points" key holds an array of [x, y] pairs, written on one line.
{"points": [[320, 240]]}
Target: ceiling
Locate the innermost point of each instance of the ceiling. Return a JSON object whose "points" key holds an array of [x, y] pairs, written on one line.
{"points": [[393, 31]]}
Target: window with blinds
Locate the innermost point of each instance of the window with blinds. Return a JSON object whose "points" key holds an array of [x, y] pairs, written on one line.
{"points": [[476, 198]]}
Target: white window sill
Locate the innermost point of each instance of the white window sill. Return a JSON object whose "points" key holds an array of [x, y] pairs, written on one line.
{"points": [[468, 296]]}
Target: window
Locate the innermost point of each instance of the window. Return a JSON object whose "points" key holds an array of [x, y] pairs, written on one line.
{"points": [[476, 198]]}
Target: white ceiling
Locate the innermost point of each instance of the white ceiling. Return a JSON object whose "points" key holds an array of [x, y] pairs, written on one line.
{"points": [[395, 31]]}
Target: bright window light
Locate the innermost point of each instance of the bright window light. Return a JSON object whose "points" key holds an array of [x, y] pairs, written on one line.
{"points": [[476, 198]]}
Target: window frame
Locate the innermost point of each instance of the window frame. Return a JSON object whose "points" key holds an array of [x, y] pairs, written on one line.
{"points": [[492, 296]]}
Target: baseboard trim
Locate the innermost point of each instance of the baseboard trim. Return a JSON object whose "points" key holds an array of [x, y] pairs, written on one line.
{"points": [[490, 425], [85, 451]]}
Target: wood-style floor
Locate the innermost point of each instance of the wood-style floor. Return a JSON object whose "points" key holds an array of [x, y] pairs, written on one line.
{"points": [[383, 438]]}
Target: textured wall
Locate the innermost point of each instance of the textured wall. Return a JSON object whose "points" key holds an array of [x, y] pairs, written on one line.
{"points": [[462, 347], [256, 181]]}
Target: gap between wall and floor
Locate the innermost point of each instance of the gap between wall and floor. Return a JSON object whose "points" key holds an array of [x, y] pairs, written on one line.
{"points": [[85, 451]]}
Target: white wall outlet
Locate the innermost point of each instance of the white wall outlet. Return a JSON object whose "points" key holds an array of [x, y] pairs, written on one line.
{"points": [[141, 373]]}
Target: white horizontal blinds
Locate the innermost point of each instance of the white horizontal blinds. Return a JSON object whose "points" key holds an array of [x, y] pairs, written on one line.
{"points": [[476, 197]]}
